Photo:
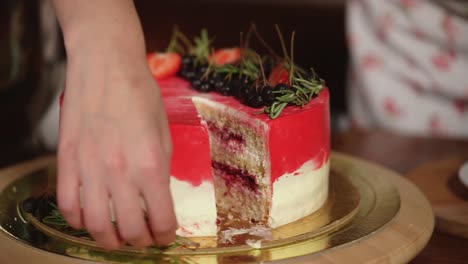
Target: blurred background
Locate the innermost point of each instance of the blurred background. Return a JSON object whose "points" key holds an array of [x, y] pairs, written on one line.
{"points": [[32, 55]]}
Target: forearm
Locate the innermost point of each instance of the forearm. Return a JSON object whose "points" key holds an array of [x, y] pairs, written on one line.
{"points": [[100, 26]]}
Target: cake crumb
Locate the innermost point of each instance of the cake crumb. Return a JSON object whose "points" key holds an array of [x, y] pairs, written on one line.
{"points": [[260, 231], [257, 244], [227, 236]]}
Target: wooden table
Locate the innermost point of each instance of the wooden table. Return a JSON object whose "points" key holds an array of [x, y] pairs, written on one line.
{"points": [[403, 154]]}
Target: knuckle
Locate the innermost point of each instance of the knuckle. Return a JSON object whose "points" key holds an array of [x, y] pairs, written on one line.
{"points": [[155, 162], [150, 169], [115, 162]]}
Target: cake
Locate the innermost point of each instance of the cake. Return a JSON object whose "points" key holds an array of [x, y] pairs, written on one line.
{"points": [[233, 161], [250, 145], [230, 160]]}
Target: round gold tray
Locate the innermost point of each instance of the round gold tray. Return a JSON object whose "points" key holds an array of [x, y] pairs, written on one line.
{"points": [[363, 204]]}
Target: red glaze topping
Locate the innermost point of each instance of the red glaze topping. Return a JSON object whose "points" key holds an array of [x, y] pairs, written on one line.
{"points": [[297, 136], [307, 137]]}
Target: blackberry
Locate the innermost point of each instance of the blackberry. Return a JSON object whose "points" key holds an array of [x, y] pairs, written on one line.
{"points": [[243, 93], [188, 61], [182, 73], [268, 95], [255, 100], [213, 79], [246, 80], [196, 84], [220, 86], [234, 87], [205, 87], [191, 75], [282, 87], [223, 89], [202, 69]]}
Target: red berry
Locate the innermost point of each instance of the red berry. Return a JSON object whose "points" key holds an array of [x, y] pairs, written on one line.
{"points": [[278, 75], [163, 65], [226, 56]]}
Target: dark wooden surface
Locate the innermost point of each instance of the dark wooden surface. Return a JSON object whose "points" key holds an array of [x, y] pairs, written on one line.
{"points": [[403, 154]]}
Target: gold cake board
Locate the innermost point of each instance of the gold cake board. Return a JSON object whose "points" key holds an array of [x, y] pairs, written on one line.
{"points": [[394, 222]]}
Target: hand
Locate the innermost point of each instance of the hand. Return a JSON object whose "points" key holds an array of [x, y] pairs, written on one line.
{"points": [[115, 144]]}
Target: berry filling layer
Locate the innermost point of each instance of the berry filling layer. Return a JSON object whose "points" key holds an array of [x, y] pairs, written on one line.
{"points": [[235, 177]]}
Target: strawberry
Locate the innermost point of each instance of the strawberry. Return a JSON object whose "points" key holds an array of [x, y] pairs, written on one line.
{"points": [[226, 56], [279, 75], [163, 65]]}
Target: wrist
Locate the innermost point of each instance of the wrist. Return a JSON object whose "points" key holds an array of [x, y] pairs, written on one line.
{"points": [[104, 45], [100, 26]]}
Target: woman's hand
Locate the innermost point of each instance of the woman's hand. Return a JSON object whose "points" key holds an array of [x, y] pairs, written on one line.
{"points": [[114, 142]]}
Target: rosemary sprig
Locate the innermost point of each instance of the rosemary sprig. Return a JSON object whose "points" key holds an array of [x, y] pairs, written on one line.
{"points": [[262, 41], [228, 70], [247, 67], [303, 85], [301, 93], [174, 44], [55, 218], [202, 47], [179, 43], [283, 45], [302, 89]]}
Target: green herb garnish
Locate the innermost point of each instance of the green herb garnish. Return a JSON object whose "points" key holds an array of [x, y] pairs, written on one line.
{"points": [[302, 89]]}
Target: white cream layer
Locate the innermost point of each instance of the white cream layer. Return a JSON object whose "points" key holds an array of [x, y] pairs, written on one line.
{"points": [[295, 195], [298, 194], [195, 208]]}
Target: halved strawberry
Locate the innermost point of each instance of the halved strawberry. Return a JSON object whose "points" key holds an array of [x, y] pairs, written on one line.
{"points": [[279, 75], [163, 65], [226, 56]]}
